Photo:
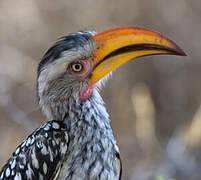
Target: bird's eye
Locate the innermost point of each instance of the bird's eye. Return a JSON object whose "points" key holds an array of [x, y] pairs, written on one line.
{"points": [[77, 67]]}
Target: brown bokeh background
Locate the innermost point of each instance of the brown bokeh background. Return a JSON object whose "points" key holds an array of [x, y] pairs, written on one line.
{"points": [[154, 102]]}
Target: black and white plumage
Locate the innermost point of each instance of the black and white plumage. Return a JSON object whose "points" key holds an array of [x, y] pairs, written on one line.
{"points": [[77, 142], [40, 155]]}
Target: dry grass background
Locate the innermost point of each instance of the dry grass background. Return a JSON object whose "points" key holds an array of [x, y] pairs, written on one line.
{"points": [[154, 102]]}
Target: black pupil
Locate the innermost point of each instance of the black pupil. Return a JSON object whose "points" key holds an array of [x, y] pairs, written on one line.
{"points": [[77, 66]]}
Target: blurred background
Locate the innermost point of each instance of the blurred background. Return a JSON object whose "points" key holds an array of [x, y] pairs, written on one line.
{"points": [[154, 102]]}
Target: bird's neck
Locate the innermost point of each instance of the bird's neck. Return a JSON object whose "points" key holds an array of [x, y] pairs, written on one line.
{"points": [[92, 110], [92, 148]]}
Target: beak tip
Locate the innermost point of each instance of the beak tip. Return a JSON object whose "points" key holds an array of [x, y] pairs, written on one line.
{"points": [[181, 53], [185, 54]]}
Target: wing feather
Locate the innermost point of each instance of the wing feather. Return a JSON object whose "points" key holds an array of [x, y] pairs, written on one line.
{"points": [[39, 156]]}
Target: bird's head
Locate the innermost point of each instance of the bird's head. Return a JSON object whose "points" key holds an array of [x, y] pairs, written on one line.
{"points": [[75, 65]]}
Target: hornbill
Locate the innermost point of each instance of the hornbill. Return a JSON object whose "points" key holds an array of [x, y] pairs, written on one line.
{"points": [[77, 142]]}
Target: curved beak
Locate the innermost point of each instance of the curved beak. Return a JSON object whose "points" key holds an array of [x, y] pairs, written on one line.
{"points": [[117, 46]]}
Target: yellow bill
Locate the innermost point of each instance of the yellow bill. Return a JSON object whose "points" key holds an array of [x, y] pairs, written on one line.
{"points": [[117, 46]]}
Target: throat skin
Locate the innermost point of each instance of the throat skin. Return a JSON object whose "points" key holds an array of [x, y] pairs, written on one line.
{"points": [[86, 94], [92, 150]]}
